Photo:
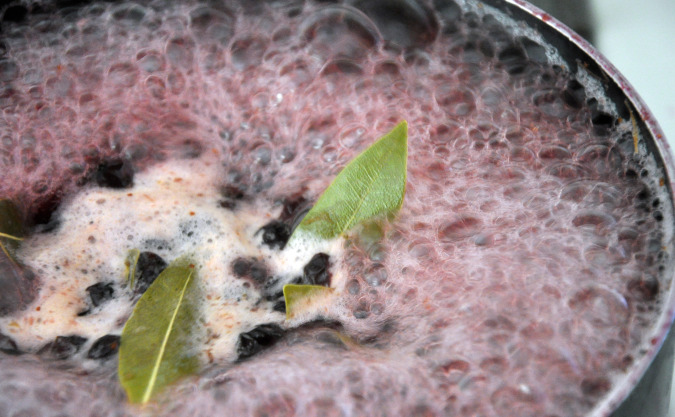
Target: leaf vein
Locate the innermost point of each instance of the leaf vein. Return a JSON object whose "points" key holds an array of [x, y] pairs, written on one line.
{"points": [[155, 370]]}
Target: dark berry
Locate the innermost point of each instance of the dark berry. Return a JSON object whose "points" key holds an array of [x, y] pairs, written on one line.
{"points": [[258, 272], [148, 267], [100, 293], [241, 267], [280, 306], [275, 234], [115, 173], [316, 270], [259, 338], [63, 347], [104, 347], [7, 345], [250, 268], [233, 192]]}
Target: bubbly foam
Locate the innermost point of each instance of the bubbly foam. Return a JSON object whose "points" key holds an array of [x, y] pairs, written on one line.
{"points": [[522, 276]]}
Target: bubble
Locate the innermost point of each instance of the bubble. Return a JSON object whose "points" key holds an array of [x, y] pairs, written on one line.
{"points": [[459, 228], [405, 23], [341, 67], [515, 400], [325, 407], [180, 52], [603, 308], [354, 287], [339, 32], [9, 70], [248, 52], [276, 406], [535, 52], [361, 311], [59, 86], [262, 155], [123, 75], [156, 87], [456, 101], [645, 287], [214, 25], [538, 330], [150, 61], [513, 58], [176, 82], [129, 14], [375, 275], [495, 364]]}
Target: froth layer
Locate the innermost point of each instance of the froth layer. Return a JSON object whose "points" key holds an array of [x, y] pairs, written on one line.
{"points": [[524, 271]]}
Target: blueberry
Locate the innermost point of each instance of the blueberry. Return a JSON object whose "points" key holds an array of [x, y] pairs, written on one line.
{"points": [[63, 347], [280, 306], [250, 268], [148, 267], [275, 234], [7, 345], [316, 270], [241, 267], [100, 293], [258, 272], [259, 338], [104, 347], [115, 173]]}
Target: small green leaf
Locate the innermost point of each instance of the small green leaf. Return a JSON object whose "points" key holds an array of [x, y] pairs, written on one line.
{"points": [[372, 185], [299, 297], [11, 228], [130, 267], [159, 339]]}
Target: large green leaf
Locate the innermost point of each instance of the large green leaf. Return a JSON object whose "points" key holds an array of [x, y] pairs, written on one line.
{"points": [[372, 185], [159, 340]]}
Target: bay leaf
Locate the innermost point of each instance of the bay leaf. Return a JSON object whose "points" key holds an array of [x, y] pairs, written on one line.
{"points": [[159, 341], [299, 297], [130, 264], [11, 228], [372, 185], [18, 284]]}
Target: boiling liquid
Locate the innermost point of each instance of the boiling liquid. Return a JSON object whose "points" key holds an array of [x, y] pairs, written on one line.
{"points": [[523, 271]]}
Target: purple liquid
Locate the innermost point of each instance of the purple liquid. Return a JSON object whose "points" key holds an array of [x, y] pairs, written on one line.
{"points": [[522, 275]]}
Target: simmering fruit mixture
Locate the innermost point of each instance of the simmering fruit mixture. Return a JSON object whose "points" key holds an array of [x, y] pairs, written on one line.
{"points": [[522, 276]]}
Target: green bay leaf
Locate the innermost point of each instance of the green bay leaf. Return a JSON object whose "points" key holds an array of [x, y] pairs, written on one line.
{"points": [[299, 297], [159, 340], [372, 185]]}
